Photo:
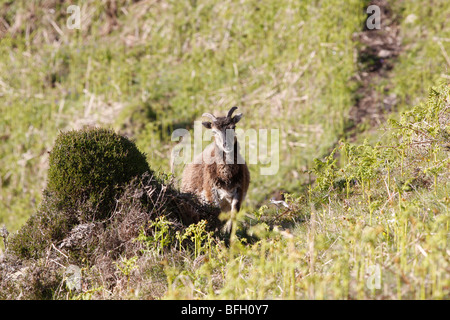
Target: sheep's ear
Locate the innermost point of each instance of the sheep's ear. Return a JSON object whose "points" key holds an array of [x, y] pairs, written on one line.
{"points": [[207, 124], [237, 117]]}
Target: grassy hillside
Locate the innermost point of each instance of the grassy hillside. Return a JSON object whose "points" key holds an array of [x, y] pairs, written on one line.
{"points": [[145, 68]]}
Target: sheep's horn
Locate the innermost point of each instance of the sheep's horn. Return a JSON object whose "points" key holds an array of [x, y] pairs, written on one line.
{"points": [[231, 111], [209, 115]]}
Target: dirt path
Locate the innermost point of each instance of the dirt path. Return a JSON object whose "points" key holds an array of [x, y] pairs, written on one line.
{"points": [[376, 57]]}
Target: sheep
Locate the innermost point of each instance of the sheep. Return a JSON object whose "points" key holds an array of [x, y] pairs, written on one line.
{"points": [[219, 175]]}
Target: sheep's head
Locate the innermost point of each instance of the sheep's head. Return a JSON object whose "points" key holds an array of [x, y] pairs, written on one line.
{"points": [[223, 129]]}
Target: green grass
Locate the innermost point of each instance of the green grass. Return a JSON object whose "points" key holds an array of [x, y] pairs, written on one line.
{"points": [[145, 69], [162, 68], [426, 43], [382, 236]]}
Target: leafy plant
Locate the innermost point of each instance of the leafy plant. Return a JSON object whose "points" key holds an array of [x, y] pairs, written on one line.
{"points": [[126, 266], [197, 234], [92, 165], [161, 236]]}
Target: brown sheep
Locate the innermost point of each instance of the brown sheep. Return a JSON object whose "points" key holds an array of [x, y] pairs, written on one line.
{"points": [[219, 175]]}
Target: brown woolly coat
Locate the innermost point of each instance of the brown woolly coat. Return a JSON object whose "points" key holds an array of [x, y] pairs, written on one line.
{"points": [[214, 182]]}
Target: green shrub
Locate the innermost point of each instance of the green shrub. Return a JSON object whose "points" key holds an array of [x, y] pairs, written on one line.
{"points": [[49, 224], [92, 165], [88, 170]]}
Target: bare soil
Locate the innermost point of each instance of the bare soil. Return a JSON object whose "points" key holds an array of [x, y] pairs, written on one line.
{"points": [[376, 58]]}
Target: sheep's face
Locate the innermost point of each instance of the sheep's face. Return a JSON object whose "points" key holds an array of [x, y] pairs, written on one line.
{"points": [[223, 130]]}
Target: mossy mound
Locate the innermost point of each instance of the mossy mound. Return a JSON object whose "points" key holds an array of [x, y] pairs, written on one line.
{"points": [[88, 171], [54, 238], [101, 194], [92, 165]]}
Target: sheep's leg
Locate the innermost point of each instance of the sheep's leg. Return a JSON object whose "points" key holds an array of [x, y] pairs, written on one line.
{"points": [[236, 201], [235, 205]]}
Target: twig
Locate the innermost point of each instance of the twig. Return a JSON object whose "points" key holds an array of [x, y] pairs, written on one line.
{"points": [[4, 234], [409, 144], [59, 251], [444, 52]]}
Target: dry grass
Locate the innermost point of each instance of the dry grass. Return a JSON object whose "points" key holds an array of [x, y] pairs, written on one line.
{"points": [[148, 67]]}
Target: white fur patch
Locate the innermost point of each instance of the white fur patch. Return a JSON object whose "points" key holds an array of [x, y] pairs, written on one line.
{"points": [[225, 198]]}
